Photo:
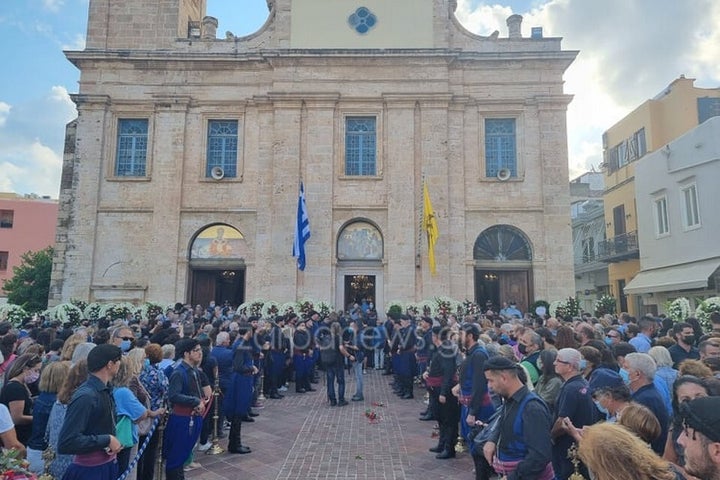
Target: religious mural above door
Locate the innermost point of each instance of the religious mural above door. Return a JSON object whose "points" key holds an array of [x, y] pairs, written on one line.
{"points": [[360, 241], [218, 241]]}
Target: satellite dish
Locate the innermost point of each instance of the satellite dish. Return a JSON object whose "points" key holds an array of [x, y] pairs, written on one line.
{"points": [[504, 174], [217, 173]]}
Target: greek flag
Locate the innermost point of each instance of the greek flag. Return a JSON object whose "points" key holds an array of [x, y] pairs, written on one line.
{"points": [[302, 230]]}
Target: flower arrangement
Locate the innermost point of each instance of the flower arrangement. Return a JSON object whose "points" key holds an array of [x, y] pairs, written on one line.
{"points": [[287, 308], [66, 313], [117, 311], [565, 308], [14, 314], [470, 308], [678, 309], [151, 310], [447, 306], [539, 303], [323, 308], [92, 311], [270, 310], [12, 467], [252, 308], [412, 309], [604, 305], [305, 306], [704, 310], [428, 308], [555, 306], [79, 304]]}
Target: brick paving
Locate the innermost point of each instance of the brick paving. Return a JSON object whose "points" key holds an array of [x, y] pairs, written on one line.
{"points": [[302, 437]]}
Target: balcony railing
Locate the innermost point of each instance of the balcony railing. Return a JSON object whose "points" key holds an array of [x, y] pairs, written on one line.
{"points": [[587, 264], [619, 248]]}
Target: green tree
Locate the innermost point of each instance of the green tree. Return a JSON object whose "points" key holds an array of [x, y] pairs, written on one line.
{"points": [[30, 285]]}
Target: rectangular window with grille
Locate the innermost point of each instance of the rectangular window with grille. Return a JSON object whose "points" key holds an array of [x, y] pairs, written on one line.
{"points": [[690, 204], [4, 261], [500, 146], [222, 147], [360, 146], [132, 144]]}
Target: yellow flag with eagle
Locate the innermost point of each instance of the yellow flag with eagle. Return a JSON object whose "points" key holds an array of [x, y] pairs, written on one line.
{"points": [[430, 226]]}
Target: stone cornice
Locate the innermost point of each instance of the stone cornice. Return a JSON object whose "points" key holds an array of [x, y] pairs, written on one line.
{"points": [[85, 100], [219, 60]]}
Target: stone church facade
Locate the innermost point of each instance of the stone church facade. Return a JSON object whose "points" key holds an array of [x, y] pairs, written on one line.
{"points": [[182, 171]]}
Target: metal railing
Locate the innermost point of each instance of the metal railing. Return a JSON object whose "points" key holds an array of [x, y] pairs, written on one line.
{"points": [[619, 248]]}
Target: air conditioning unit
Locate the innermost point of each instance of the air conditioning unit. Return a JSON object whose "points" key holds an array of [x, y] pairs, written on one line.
{"points": [[217, 173], [504, 174]]}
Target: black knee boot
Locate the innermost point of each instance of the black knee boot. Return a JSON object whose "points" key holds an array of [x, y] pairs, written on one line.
{"points": [[235, 442]]}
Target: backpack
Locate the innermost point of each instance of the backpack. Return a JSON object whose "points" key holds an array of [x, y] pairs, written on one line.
{"points": [[329, 350]]}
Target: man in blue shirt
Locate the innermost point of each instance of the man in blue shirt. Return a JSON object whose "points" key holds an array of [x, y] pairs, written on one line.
{"points": [[643, 340], [575, 404], [641, 372]]}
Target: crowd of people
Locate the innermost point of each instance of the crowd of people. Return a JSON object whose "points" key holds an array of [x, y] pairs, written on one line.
{"points": [[533, 396]]}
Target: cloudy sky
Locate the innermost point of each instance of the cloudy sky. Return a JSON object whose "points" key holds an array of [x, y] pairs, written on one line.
{"points": [[629, 51]]}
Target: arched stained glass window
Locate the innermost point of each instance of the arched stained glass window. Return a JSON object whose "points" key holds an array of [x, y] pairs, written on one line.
{"points": [[501, 243], [360, 241]]}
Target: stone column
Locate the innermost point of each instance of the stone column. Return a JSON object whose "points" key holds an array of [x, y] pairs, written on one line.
{"points": [[317, 162], [559, 277], [433, 165], [286, 281], [404, 190], [168, 150]]}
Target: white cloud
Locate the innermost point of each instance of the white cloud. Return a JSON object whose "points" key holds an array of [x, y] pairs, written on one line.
{"points": [[629, 51], [4, 112], [77, 43], [32, 139], [53, 5], [30, 168]]}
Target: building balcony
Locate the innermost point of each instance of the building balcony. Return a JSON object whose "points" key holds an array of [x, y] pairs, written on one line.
{"points": [[619, 248], [588, 264]]}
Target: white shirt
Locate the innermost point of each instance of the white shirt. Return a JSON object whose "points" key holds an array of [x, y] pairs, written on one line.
{"points": [[6, 423]]}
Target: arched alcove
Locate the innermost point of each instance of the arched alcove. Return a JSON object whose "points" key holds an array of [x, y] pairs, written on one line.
{"points": [[360, 240], [219, 241], [502, 243], [503, 267]]}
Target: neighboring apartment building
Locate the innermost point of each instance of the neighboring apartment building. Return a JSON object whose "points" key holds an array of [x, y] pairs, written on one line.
{"points": [[676, 189], [588, 230], [27, 224], [182, 171], [677, 109]]}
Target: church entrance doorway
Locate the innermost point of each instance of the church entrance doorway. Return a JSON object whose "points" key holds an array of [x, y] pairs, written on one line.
{"points": [[219, 286], [217, 266], [359, 269], [503, 268]]}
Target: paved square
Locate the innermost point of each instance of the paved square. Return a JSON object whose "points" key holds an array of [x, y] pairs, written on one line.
{"points": [[303, 437]]}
